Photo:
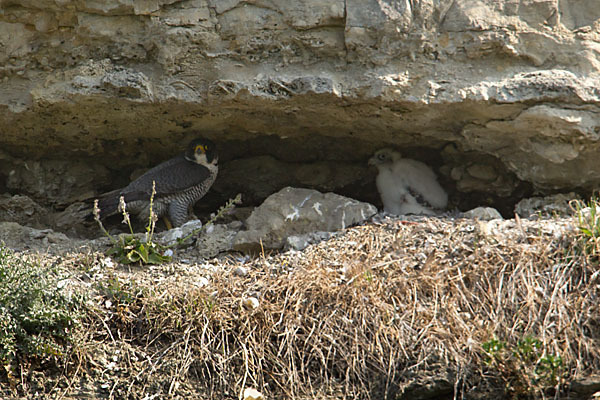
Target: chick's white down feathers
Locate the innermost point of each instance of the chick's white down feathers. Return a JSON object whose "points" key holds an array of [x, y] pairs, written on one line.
{"points": [[407, 186]]}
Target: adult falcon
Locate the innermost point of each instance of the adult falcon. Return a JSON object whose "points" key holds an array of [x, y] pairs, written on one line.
{"points": [[179, 183]]}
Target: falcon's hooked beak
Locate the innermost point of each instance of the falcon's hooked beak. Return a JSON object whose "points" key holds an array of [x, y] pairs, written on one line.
{"points": [[373, 161], [384, 156]]}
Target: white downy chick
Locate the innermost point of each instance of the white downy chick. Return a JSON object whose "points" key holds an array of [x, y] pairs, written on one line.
{"points": [[407, 186]]}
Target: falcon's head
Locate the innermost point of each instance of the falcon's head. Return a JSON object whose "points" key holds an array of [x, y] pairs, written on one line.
{"points": [[384, 156], [202, 151]]}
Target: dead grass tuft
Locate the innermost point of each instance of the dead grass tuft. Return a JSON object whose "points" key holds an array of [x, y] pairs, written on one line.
{"points": [[376, 312]]}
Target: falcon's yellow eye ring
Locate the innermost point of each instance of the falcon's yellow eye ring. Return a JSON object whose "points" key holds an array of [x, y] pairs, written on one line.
{"points": [[200, 147]]}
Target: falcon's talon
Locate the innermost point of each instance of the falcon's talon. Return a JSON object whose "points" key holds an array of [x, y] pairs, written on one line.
{"points": [[168, 223]]}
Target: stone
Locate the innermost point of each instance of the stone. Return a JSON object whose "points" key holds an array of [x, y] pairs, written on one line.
{"points": [[58, 182], [252, 394], [300, 242], [75, 220], [546, 206], [586, 387], [208, 242], [171, 236], [483, 214], [20, 237], [22, 210], [217, 240], [250, 303], [296, 211], [240, 271], [482, 171]]}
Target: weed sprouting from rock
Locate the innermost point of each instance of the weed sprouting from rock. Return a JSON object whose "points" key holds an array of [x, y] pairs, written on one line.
{"points": [[131, 248], [588, 220]]}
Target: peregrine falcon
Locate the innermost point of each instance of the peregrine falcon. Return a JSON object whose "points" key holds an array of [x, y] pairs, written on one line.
{"points": [[407, 186], [180, 183]]}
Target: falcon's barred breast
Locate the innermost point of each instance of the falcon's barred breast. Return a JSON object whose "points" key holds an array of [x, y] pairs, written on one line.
{"points": [[179, 183]]}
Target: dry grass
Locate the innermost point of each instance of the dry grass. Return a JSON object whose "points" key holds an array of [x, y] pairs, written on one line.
{"points": [[375, 312]]}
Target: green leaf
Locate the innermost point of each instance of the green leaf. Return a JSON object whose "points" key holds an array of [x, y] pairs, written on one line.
{"points": [[143, 252], [133, 256], [156, 258]]}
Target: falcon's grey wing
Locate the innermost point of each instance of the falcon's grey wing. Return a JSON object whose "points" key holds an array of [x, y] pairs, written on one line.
{"points": [[172, 176]]}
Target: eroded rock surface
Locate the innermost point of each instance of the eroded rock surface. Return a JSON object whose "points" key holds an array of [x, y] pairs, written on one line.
{"points": [[560, 204], [295, 211], [501, 97]]}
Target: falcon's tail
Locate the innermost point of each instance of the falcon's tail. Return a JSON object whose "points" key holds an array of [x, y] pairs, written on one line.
{"points": [[108, 203]]}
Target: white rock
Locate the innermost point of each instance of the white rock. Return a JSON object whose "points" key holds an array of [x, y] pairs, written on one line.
{"points": [[240, 271], [202, 281], [172, 235], [483, 214], [296, 211], [300, 242], [190, 226], [253, 394], [217, 239], [250, 303]]}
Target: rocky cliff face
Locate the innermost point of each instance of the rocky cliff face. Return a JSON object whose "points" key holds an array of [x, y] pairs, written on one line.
{"points": [[500, 96]]}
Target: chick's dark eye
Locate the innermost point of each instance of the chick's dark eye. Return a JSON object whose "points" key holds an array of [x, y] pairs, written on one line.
{"points": [[381, 156]]}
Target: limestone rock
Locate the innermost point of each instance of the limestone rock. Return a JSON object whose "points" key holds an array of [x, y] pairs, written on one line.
{"points": [[250, 303], [548, 206], [217, 240], [22, 210], [483, 214], [20, 237], [253, 394], [295, 211], [209, 242], [57, 181], [92, 90], [170, 237], [240, 271], [76, 220], [300, 242]]}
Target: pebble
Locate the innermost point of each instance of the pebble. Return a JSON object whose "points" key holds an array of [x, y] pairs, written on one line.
{"points": [[253, 394], [251, 303], [240, 271], [483, 214]]}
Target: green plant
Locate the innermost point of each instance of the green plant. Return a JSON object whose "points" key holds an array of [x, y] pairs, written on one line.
{"points": [[37, 314], [588, 221], [526, 368], [492, 348], [129, 248], [115, 291]]}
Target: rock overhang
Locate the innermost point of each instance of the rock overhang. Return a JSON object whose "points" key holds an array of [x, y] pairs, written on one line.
{"points": [[500, 101]]}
